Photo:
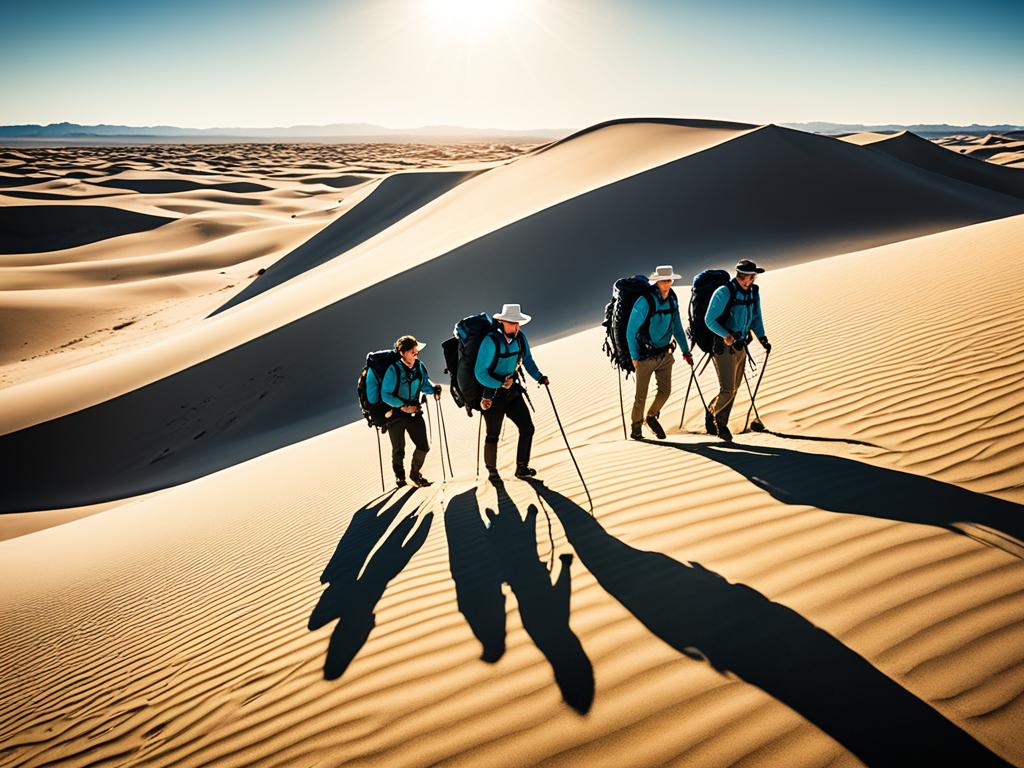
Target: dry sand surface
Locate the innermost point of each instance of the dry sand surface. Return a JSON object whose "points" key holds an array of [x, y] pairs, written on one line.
{"points": [[845, 589]]}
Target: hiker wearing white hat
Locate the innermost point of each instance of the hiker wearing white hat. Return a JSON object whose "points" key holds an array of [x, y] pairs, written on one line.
{"points": [[403, 384], [733, 313], [496, 368], [653, 323]]}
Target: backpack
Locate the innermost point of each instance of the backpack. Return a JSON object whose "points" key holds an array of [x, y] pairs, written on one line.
{"points": [[704, 286], [460, 353], [377, 364], [625, 293]]}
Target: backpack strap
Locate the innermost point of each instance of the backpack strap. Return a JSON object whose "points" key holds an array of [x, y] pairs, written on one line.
{"points": [[401, 376], [499, 345]]}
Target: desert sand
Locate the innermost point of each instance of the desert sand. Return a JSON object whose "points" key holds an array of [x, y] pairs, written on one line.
{"points": [[230, 585]]}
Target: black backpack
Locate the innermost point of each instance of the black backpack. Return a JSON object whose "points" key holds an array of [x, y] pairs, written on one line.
{"points": [[625, 293], [460, 353], [377, 362], [704, 286]]}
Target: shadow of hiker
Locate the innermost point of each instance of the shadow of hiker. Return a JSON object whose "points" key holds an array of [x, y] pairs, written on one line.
{"points": [[737, 630], [350, 597], [476, 574], [844, 485], [510, 544]]}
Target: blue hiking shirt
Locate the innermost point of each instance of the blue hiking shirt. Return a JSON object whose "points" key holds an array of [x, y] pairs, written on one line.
{"points": [[408, 392], [506, 365], [742, 317], [662, 328]]}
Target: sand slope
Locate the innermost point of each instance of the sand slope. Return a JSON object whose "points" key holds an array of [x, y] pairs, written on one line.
{"points": [[792, 601], [256, 377]]}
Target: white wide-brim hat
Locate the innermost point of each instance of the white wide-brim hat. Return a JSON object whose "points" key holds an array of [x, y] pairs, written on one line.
{"points": [[663, 272], [511, 313]]}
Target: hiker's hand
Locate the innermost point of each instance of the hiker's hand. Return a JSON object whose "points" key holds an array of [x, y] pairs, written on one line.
{"points": [[543, 380], [765, 344], [688, 358], [507, 383], [410, 408], [730, 340], [634, 364], [437, 391], [485, 404]]}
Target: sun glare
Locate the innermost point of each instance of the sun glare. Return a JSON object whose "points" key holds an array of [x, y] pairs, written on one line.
{"points": [[472, 16]]}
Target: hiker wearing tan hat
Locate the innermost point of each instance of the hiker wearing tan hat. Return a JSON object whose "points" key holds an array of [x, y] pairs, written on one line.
{"points": [[497, 370], [404, 383], [733, 313], [653, 323]]}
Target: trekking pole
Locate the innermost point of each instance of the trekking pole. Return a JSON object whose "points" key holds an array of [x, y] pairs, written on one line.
{"points": [[693, 375], [757, 416], [479, 426], [380, 459], [444, 438], [753, 397], [430, 427], [571, 455], [622, 407]]}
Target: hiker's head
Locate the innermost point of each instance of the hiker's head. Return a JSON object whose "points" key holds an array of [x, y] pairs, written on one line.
{"points": [[408, 349], [510, 318], [663, 277], [746, 272]]}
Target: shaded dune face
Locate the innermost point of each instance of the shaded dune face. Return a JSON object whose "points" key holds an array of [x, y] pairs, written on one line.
{"points": [[772, 194], [32, 228], [396, 197]]}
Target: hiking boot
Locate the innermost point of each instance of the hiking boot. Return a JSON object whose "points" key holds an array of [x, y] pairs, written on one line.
{"points": [[399, 482], [492, 475], [419, 480], [523, 471], [637, 433], [724, 433], [709, 423], [652, 422]]}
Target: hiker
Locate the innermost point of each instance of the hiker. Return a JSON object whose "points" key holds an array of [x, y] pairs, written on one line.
{"points": [[652, 325], [406, 379], [733, 327], [497, 368]]}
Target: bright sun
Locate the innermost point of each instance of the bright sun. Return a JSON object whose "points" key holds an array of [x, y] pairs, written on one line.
{"points": [[466, 16]]}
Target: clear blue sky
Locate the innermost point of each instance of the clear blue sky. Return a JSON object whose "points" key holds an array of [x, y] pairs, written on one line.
{"points": [[508, 63]]}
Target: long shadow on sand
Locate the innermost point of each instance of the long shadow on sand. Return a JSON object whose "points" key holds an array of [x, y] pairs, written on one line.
{"points": [[843, 485], [505, 550], [740, 631], [351, 597]]}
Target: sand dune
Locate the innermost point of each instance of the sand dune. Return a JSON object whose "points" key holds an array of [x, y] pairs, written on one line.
{"points": [[786, 569], [925, 154], [31, 228], [844, 589], [255, 378]]}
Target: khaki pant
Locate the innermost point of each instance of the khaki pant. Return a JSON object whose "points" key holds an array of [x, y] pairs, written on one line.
{"points": [[729, 366], [661, 368]]}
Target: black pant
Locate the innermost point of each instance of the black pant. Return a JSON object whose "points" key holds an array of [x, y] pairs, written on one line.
{"points": [[516, 409], [417, 429]]}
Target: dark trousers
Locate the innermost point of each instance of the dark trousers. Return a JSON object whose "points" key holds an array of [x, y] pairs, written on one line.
{"points": [[516, 409], [417, 429]]}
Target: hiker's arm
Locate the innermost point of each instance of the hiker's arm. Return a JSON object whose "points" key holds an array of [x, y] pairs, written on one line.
{"points": [[528, 362], [427, 386], [636, 319], [387, 388], [758, 324], [715, 308], [679, 334], [372, 386], [484, 358]]}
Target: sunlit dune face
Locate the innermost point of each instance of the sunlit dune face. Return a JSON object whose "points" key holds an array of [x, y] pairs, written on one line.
{"points": [[472, 16]]}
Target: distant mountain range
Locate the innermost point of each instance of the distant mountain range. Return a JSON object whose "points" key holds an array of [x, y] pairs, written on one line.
{"points": [[352, 132], [334, 131], [940, 129]]}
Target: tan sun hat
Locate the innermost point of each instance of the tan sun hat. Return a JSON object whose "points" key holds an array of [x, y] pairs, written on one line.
{"points": [[511, 313], [663, 272]]}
